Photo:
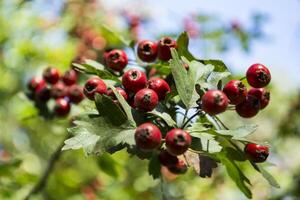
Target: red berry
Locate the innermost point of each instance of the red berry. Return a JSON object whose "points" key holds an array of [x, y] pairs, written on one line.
{"points": [[236, 91], [164, 48], [167, 159], [147, 136], [121, 92], [116, 59], [75, 94], [59, 90], [214, 102], [179, 168], [133, 80], [160, 86], [146, 99], [62, 107], [94, 85], [178, 141], [248, 108], [258, 75], [35, 83], [147, 50], [70, 77], [262, 95], [51, 75], [256, 153], [42, 93]]}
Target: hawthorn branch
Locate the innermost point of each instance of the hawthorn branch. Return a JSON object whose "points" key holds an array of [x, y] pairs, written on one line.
{"points": [[40, 185]]}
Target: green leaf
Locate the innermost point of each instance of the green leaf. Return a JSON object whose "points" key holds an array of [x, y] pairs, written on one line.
{"points": [[126, 107], [118, 36], [164, 116], [272, 181], [108, 165], [154, 167], [93, 67], [185, 80], [183, 43], [109, 110], [219, 65], [208, 142], [240, 132], [215, 77], [236, 174]]}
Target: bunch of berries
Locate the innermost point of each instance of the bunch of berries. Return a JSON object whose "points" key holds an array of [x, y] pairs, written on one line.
{"points": [[62, 88], [247, 103]]}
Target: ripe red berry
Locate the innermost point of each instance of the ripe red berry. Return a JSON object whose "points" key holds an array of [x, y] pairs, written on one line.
{"points": [[262, 95], [178, 141], [35, 83], [256, 153], [75, 94], [147, 136], [160, 86], [236, 91], [62, 107], [121, 92], [214, 102], [59, 90], [133, 80], [116, 59], [42, 93], [167, 159], [51, 75], [94, 85], [258, 75], [70, 77], [147, 50], [179, 168], [164, 48], [248, 108], [146, 99]]}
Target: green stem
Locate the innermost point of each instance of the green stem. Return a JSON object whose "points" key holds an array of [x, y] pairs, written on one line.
{"points": [[192, 117], [185, 116]]}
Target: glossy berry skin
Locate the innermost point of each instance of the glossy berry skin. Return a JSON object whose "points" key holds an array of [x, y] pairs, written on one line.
{"points": [[42, 93], [35, 83], [59, 90], [147, 50], [256, 153], [70, 77], [214, 102], [147, 136], [160, 86], [177, 141], [236, 91], [94, 85], [179, 168], [116, 59], [258, 75], [51, 75], [248, 108], [121, 92], [62, 107], [164, 48], [167, 159], [134, 80], [145, 99], [262, 94], [75, 94]]}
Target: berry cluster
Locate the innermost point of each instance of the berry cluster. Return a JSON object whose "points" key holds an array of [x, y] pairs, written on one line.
{"points": [[62, 88], [247, 103], [148, 137]]}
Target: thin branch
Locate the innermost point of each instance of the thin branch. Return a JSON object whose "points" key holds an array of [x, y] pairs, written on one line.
{"points": [[192, 117], [40, 185]]}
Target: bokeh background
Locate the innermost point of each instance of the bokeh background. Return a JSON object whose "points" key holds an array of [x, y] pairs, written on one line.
{"points": [[38, 33]]}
